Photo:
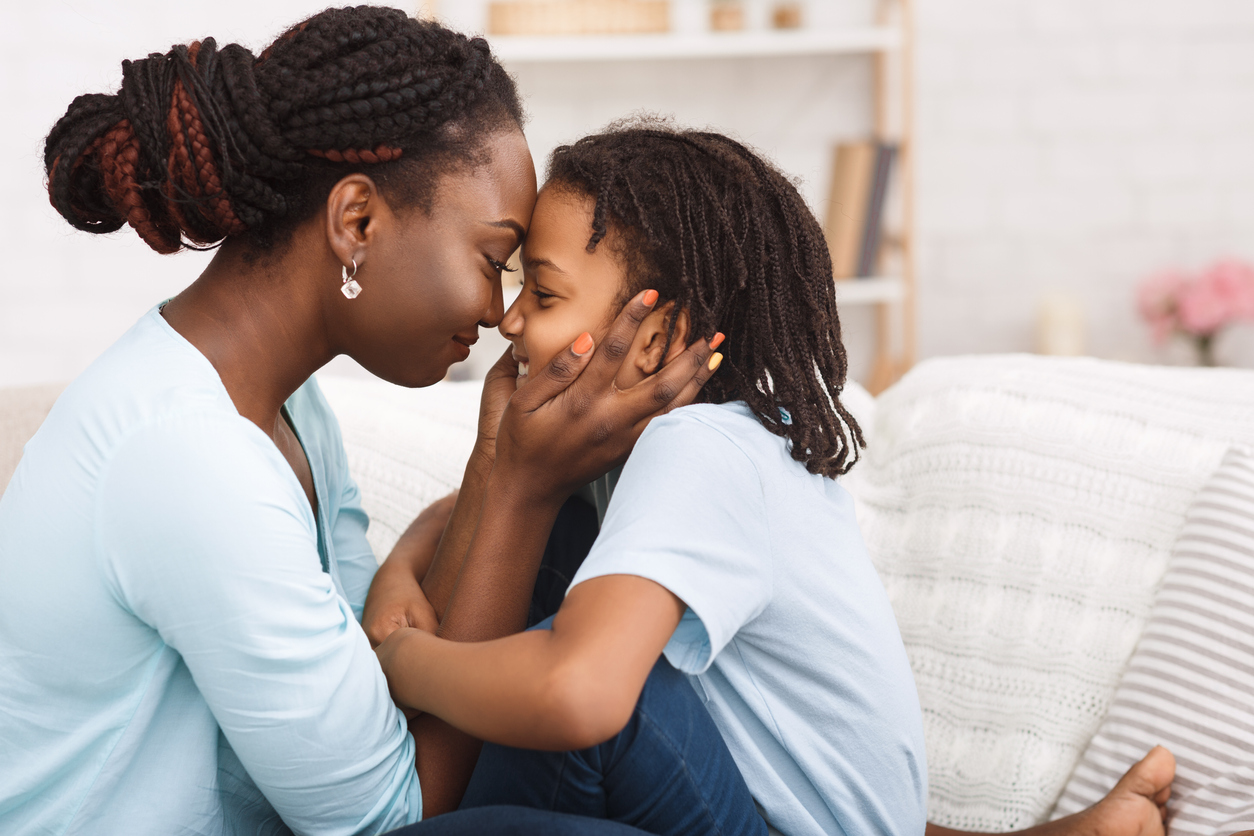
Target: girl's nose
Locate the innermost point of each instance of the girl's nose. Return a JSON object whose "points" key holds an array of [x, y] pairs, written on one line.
{"points": [[512, 322]]}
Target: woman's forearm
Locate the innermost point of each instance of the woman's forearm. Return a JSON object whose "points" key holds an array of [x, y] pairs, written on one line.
{"points": [[441, 576], [480, 586], [493, 589]]}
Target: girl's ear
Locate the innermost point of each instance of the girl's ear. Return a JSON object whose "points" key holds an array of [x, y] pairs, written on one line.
{"points": [[652, 339]]}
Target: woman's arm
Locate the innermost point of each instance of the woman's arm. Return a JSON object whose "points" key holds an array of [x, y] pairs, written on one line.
{"points": [[412, 587], [569, 687], [396, 598]]}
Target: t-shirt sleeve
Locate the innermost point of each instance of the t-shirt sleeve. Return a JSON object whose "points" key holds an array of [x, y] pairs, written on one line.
{"points": [[688, 513], [352, 550], [210, 541]]}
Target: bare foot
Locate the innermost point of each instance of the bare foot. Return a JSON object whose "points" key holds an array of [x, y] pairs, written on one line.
{"points": [[1135, 807]]}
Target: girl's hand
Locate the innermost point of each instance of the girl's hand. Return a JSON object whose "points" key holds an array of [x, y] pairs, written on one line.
{"points": [[396, 599], [571, 423]]}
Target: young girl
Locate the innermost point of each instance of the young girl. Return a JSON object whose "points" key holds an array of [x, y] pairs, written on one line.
{"points": [[728, 545]]}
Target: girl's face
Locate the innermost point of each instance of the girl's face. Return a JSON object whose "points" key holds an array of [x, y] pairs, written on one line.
{"points": [[566, 289]]}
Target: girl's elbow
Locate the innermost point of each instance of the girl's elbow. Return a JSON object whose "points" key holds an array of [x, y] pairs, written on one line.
{"points": [[583, 711]]}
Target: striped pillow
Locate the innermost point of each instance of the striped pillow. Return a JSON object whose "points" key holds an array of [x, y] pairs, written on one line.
{"points": [[1190, 683]]}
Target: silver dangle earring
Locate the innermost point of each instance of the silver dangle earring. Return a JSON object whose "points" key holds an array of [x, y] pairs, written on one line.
{"points": [[350, 288]]}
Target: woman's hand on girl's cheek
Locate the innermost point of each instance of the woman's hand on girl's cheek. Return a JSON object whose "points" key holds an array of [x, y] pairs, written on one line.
{"points": [[499, 385], [571, 423]]}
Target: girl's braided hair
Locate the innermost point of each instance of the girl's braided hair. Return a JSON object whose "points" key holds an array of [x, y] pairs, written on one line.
{"points": [[715, 228], [205, 143]]}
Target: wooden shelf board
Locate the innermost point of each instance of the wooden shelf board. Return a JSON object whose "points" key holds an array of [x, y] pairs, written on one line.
{"points": [[870, 291], [518, 49]]}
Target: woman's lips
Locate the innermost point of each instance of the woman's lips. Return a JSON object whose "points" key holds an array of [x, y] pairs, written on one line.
{"points": [[462, 346]]}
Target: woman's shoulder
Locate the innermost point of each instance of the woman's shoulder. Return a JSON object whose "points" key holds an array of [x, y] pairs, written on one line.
{"points": [[147, 385]]}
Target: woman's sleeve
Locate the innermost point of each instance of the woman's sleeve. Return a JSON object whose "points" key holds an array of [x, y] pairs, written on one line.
{"points": [[353, 554], [209, 540], [688, 513]]}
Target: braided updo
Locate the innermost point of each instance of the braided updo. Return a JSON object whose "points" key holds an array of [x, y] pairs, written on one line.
{"points": [[715, 228], [206, 143]]}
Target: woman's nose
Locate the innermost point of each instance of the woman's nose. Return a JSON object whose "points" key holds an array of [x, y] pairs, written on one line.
{"points": [[496, 311]]}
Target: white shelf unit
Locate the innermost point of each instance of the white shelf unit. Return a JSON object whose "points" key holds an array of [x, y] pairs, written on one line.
{"points": [[570, 48], [877, 290]]}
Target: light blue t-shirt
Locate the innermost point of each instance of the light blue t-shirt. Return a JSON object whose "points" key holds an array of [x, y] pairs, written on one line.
{"points": [[179, 634], [789, 635]]}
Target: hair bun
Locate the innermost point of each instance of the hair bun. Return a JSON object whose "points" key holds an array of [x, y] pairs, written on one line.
{"points": [[201, 143]]}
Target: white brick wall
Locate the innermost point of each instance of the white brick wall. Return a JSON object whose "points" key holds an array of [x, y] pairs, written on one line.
{"points": [[1077, 145], [1064, 144]]}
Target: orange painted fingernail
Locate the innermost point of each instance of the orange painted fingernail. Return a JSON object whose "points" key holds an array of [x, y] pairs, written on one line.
{"points": [[715, 360], [650, 296], [583, 345], [718, 340]]}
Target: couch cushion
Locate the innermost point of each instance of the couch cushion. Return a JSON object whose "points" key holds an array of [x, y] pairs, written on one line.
{"points": [[1189, 683], [1021, 511], [21, 412], [406, 447]]}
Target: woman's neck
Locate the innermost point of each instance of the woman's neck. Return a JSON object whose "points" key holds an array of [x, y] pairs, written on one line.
{"points": [[260, 325]]}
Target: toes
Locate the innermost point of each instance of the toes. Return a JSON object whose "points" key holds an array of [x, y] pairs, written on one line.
{"points": [[1151, 776]]}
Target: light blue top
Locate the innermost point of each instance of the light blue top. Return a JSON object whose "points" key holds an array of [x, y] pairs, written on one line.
{"points": [[179, 635], [789, 635]]}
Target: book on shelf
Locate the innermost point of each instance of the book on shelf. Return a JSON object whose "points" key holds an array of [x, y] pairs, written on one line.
{"points": [[855, 213]]}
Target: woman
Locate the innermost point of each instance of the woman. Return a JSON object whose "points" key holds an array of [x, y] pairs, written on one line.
{"points": [[182, 546]]}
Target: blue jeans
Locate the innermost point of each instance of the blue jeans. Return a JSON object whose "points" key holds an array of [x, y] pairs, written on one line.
{"points": [[667, 772]]}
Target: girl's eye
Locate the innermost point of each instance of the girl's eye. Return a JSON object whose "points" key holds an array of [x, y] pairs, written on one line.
{"points": [[541, 295], [499, 267]]}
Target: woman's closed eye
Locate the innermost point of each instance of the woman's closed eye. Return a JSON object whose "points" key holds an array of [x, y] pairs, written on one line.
{"points": [[500, 266]]}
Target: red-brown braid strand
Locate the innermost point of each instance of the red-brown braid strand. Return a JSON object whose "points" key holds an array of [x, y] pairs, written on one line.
{"points": [[192, 165], [381, 154], [119, 154]]}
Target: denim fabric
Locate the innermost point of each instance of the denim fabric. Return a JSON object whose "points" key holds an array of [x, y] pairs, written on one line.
{"points": [[667, 772], [515, 821], [574, 532]]}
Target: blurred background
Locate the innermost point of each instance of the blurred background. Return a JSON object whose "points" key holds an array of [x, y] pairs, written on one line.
{"points": [[1012, 175]]}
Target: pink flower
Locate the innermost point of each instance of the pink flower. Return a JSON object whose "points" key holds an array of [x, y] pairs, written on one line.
{"points": [[1157, 301], [1223, 294]]}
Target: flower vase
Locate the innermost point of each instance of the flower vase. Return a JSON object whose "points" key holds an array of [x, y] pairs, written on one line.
{"points": [[1205, 345]]}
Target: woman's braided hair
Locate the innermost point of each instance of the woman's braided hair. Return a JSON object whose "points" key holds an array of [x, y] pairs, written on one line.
{"points": [[715, 228], [205, 143]]}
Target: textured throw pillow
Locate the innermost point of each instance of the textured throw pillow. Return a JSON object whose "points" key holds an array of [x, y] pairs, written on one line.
{"points": [[406, 448], [1021, 512], [1190, 684]]}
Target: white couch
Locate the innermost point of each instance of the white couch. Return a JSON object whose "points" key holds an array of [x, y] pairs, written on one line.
{"points": [[1020, 510]]}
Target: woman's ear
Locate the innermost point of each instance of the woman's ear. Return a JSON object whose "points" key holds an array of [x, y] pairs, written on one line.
{"points": [[652, 339], [354, 212]]}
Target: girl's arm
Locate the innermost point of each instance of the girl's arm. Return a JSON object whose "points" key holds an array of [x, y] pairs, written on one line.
{"points": [[566, 688]]}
